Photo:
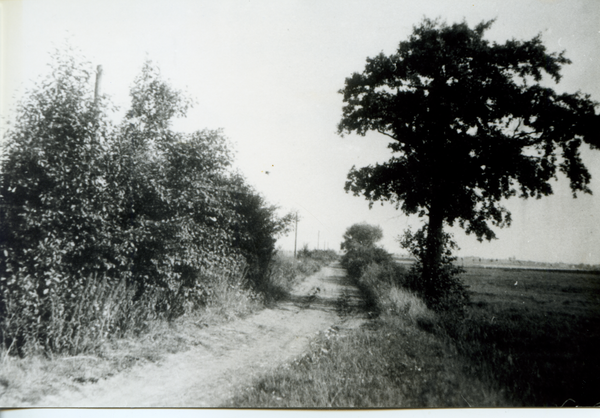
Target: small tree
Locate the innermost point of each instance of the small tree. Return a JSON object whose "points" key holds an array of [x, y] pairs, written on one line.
{"points": [[363, 235], [470, 125], [171, 188], [359, 244], [56, 208]]}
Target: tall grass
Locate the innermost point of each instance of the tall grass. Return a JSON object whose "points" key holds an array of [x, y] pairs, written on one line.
{"points": [[100, 309], [220, 297], [78, 323]]}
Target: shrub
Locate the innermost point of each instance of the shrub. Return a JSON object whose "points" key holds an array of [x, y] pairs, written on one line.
{"points": [[104, 226], [255, 230], [359, 258], [445, 291], [324, 256]]}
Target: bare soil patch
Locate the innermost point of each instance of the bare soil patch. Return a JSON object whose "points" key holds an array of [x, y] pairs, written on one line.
{"points": [[231, 356]]}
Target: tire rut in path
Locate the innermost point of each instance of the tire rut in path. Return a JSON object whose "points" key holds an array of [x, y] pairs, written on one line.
{"points": [[232, 355]]}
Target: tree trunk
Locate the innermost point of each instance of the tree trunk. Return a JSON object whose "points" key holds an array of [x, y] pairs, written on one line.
{"points": [[434, 248]]}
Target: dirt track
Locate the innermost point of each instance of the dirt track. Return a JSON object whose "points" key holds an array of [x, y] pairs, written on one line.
{"points": [[232, 355]]}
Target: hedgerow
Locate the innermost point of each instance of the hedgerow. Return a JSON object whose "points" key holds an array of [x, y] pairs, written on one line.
{"points": [[367, 263], [105, 226]]}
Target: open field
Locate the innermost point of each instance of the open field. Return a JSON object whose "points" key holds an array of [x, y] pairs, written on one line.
{"points": [[529, 338], [535, 333], [468, 262]]}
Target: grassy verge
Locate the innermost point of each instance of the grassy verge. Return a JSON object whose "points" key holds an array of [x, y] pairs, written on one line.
{"points": [[26, 380], [389, 363], [529, 338]]}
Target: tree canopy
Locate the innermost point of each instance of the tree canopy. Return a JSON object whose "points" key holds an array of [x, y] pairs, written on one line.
{"points": [[360, 249], [471, 123], [363, 235]]}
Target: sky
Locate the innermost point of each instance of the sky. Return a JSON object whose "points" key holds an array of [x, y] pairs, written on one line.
{"points": [[268, 73]]}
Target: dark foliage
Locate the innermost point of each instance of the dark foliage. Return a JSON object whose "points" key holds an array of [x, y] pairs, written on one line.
{"points": [[256, 230], [470, 125], [356, 260], [322, 256], [359, 244], [444, 291]]}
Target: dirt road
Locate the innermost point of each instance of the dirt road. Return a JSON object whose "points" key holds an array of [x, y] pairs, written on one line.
{"points": [[232, 355]]}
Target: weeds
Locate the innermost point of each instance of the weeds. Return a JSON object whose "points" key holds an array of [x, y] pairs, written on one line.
{"points": [[225, 296]]}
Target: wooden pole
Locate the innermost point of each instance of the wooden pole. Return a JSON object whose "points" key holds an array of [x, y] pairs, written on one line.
{"points": [[296, 236], [98, 80]]}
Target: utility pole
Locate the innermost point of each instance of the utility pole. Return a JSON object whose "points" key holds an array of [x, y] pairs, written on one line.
{"points": [[98, 80], [296, 236], [318, 238]]}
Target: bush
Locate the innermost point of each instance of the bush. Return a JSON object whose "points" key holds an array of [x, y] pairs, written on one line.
{"points": [[357, 259], [445, 292], [388, 273], [255, 231], [103, 226], [324, 256], [321, 256]]}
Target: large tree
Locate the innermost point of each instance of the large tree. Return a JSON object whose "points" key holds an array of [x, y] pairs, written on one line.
{"points": [[472, 123]]}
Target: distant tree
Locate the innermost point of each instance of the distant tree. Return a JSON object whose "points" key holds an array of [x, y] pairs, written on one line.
{"points": [[470, 125], [363, 235], [360, 249]]}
